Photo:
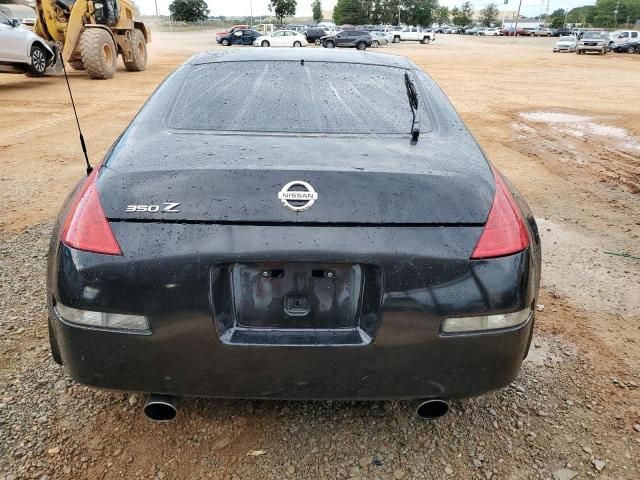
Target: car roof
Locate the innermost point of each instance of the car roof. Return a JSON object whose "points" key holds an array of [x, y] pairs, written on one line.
{"points": [[297, 54]]}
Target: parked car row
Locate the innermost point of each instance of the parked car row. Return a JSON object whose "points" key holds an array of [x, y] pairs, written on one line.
{"points": [[350, 36], [597, 41], [361, 38], [506, 31]]}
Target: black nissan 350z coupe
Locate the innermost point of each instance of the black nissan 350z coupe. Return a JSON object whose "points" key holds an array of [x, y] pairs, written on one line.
{"points": [[294, 225]]}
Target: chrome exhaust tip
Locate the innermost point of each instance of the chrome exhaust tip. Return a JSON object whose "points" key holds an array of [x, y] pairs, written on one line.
{"points": [[432, 408], [160, 408]]}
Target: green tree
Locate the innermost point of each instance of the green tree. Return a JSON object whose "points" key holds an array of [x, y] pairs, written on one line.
{"points": [[350, 12], [189, 10], [316, 7], [466, 12], [462, 16], [556, 18], [282, 8], [375, 16], [605, 12], [367, 9], [441, 15], [389, 13], [582, 15], [418, 12], [455, 16], [489, 15]]}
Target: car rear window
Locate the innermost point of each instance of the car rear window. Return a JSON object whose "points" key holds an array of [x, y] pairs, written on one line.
{"points": [[288, 96]]}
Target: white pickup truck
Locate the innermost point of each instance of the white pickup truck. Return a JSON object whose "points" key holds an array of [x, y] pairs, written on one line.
{"points": [[413, 34]]}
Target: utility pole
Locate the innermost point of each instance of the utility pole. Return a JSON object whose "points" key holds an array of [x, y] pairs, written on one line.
{"points": [[546, 12], [157, 9], [251, 13], [541, 10], [564, 24], [615, 17], [398, 14], [515, 28]]}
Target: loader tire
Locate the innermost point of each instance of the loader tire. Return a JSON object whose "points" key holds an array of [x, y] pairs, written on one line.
{"points": [[98, 53], [139, 53], [76, 64]]}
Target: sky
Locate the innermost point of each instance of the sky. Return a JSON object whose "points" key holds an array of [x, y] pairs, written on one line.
{"points": [[243, 7]]}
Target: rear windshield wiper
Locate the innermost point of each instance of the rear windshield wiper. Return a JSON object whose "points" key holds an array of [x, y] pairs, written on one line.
{"points": [[413, 103]]}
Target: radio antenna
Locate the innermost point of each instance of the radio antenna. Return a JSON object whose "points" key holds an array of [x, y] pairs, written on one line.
{"points": [[73, 104]]}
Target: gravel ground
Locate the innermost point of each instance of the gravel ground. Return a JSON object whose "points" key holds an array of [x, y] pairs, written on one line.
{"points": [[566, 415]]}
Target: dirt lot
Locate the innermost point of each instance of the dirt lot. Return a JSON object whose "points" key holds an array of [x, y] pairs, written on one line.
{"points": [[564, 128]]}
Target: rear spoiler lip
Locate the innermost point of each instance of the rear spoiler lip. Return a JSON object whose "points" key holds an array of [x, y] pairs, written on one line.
{"points": [[292, 224]]}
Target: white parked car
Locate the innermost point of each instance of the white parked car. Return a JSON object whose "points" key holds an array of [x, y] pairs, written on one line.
{"points": [[21, 50], [566, 44], [491, 32], [281, 38]]}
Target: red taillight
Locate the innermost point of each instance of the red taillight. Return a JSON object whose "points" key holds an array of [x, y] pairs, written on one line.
{"points": [[86, 226], [505, 232]]}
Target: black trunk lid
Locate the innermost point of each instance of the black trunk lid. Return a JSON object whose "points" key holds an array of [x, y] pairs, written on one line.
{"points": [[358, 180]]}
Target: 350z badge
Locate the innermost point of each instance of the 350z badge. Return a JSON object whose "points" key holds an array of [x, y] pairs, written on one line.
{"points": [[166, 207]]}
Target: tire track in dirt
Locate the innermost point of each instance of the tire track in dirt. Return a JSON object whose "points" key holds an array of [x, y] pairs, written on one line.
{"points": [[606, 159]]}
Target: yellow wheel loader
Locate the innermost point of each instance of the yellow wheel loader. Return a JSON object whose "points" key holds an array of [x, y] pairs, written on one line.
{"points": [[92, 33]]}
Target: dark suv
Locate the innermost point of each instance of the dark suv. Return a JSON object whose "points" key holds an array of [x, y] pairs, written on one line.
{"points": [[314, 35], [239, 37], [348, 38]]}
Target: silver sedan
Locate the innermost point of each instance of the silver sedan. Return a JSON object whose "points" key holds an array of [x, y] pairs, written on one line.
{"points": [[378, 39]]}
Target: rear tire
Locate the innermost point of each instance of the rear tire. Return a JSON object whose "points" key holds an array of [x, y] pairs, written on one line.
{"points": [[396, 39], [375, 44], [99, 54], [318, 42], [139, 56], [76, 64], [361, 46], [265, 43], [329, 44], [38, 65], [425, 41], [297, 44], [631, 49]]}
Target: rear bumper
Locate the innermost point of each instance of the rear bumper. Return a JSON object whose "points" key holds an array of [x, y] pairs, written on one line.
{"points": [[410, 359], [417, 277]]}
